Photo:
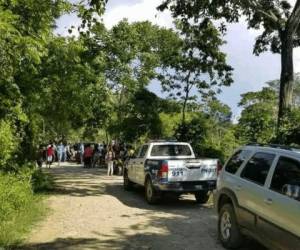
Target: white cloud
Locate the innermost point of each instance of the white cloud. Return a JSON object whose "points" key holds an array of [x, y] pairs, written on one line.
{"points": [[144, 10]]}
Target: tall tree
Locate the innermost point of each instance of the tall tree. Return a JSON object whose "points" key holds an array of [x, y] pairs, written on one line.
{"points": [[132, 55], [278, 18], [198, 66]]}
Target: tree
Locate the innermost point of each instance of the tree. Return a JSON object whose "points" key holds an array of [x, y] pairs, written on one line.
{"points": [[275, 84], [132, 55], [279, 20], [258, 118], [25, 31], [143, 117], [198, 64], [218, 111]]}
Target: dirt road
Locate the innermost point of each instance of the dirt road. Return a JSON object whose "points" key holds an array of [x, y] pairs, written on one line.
{"points": [[92, 211]]}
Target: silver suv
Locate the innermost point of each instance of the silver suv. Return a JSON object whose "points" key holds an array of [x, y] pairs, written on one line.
{"points": [[258, 195]]}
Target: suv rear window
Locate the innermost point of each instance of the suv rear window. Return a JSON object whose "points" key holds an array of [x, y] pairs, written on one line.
{"points": [[237, 160], [171, 150], [286, 178], [257, 168]]}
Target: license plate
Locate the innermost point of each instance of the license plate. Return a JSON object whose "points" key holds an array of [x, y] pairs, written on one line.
{"points": [[198, 186]]}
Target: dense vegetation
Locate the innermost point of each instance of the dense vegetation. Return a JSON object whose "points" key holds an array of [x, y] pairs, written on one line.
{"points": [[93, 85]]}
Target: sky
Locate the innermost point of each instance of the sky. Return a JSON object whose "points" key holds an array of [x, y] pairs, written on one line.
{"points": [[250, 72]]}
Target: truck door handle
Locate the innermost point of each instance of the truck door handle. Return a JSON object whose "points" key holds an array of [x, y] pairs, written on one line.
{"points": [[141, 162], [268, 201], [238, 187]]}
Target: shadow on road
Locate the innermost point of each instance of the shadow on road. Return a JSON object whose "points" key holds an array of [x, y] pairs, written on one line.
{"points": [[173, 224], [67, 243]]}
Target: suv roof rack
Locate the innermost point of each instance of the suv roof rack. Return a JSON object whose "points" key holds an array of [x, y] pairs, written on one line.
{"points": [[279, 146], [163, 140]]}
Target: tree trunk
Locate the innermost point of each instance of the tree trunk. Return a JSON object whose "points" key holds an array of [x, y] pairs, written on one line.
{"points": [[187, 90], [183, 111], [287, 77], [287, 66]]}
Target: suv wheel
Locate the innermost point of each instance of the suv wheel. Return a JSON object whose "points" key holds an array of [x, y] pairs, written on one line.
{"points": [[202, 197], [229, 232], [152, 196], [126, 182]]}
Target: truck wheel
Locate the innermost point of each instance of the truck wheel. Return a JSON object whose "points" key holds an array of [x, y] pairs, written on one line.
{"points": [[152, 196], [228, 229], [202, 197], [126, 182]]}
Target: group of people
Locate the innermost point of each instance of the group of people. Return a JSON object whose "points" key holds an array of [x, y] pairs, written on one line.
{"points": [[90, 155], [52, 152], [111, 156]]}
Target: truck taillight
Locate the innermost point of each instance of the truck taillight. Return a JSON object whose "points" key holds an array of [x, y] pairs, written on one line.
{"points": [[164, 170], [219, 168]]}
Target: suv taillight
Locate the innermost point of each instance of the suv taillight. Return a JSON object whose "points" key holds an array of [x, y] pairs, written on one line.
{"points": [[164, 170], [219, 168]]}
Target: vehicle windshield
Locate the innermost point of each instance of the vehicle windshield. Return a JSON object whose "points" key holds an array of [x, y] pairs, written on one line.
{"points": [[171, 150]]}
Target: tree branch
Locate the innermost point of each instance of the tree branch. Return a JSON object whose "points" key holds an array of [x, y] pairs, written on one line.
{"points": [[257, 7], [294, 20]]}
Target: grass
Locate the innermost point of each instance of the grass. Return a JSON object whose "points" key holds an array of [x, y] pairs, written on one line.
{"points": [[21, 206]]}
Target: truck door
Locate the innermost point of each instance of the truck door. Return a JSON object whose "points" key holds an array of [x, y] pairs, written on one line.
{"points": [[140, 162], [132, 166]]}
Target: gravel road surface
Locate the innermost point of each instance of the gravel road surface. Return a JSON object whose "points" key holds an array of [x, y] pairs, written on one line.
{"points": [[90, 210]]}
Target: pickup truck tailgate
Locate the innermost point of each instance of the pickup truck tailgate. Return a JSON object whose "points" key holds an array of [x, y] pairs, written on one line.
{"points": [[192, 170]]}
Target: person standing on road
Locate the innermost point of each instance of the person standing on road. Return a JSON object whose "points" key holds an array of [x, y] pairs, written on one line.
{"points": [[96, 156], [50, 155], [81, 151], [88, 154], [68, 152], [60, 152], [110, 155]]}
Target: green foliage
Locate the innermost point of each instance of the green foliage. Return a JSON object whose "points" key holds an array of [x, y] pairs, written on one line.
{"points": [[8, 143], [278, 20], [258, 118], [273, 16], [19, 208], [194, 130], [275, 85], [42, 182], [290, 130], [143, 116], [169, 123], [198, 65]]}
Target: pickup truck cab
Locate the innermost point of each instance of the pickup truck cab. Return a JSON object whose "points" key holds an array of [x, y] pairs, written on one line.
{"points": [[171, 167]]}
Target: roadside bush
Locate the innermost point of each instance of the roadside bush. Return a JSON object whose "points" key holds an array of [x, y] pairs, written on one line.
{"points": [[19, 207], [8, 142], [42, 182]]}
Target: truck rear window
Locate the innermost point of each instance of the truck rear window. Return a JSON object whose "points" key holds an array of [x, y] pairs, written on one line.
{"points": [[171, 150]]}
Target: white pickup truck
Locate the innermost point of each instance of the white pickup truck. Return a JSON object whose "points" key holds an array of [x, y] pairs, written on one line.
{"points": [[171, 167]]}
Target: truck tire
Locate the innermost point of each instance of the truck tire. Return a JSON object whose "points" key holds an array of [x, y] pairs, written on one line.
{"points": [[228, 228], [202, 197], [128, 185], [152, 196]]}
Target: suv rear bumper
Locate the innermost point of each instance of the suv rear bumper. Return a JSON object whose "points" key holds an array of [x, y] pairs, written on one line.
{"points": [[187, 186]]}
